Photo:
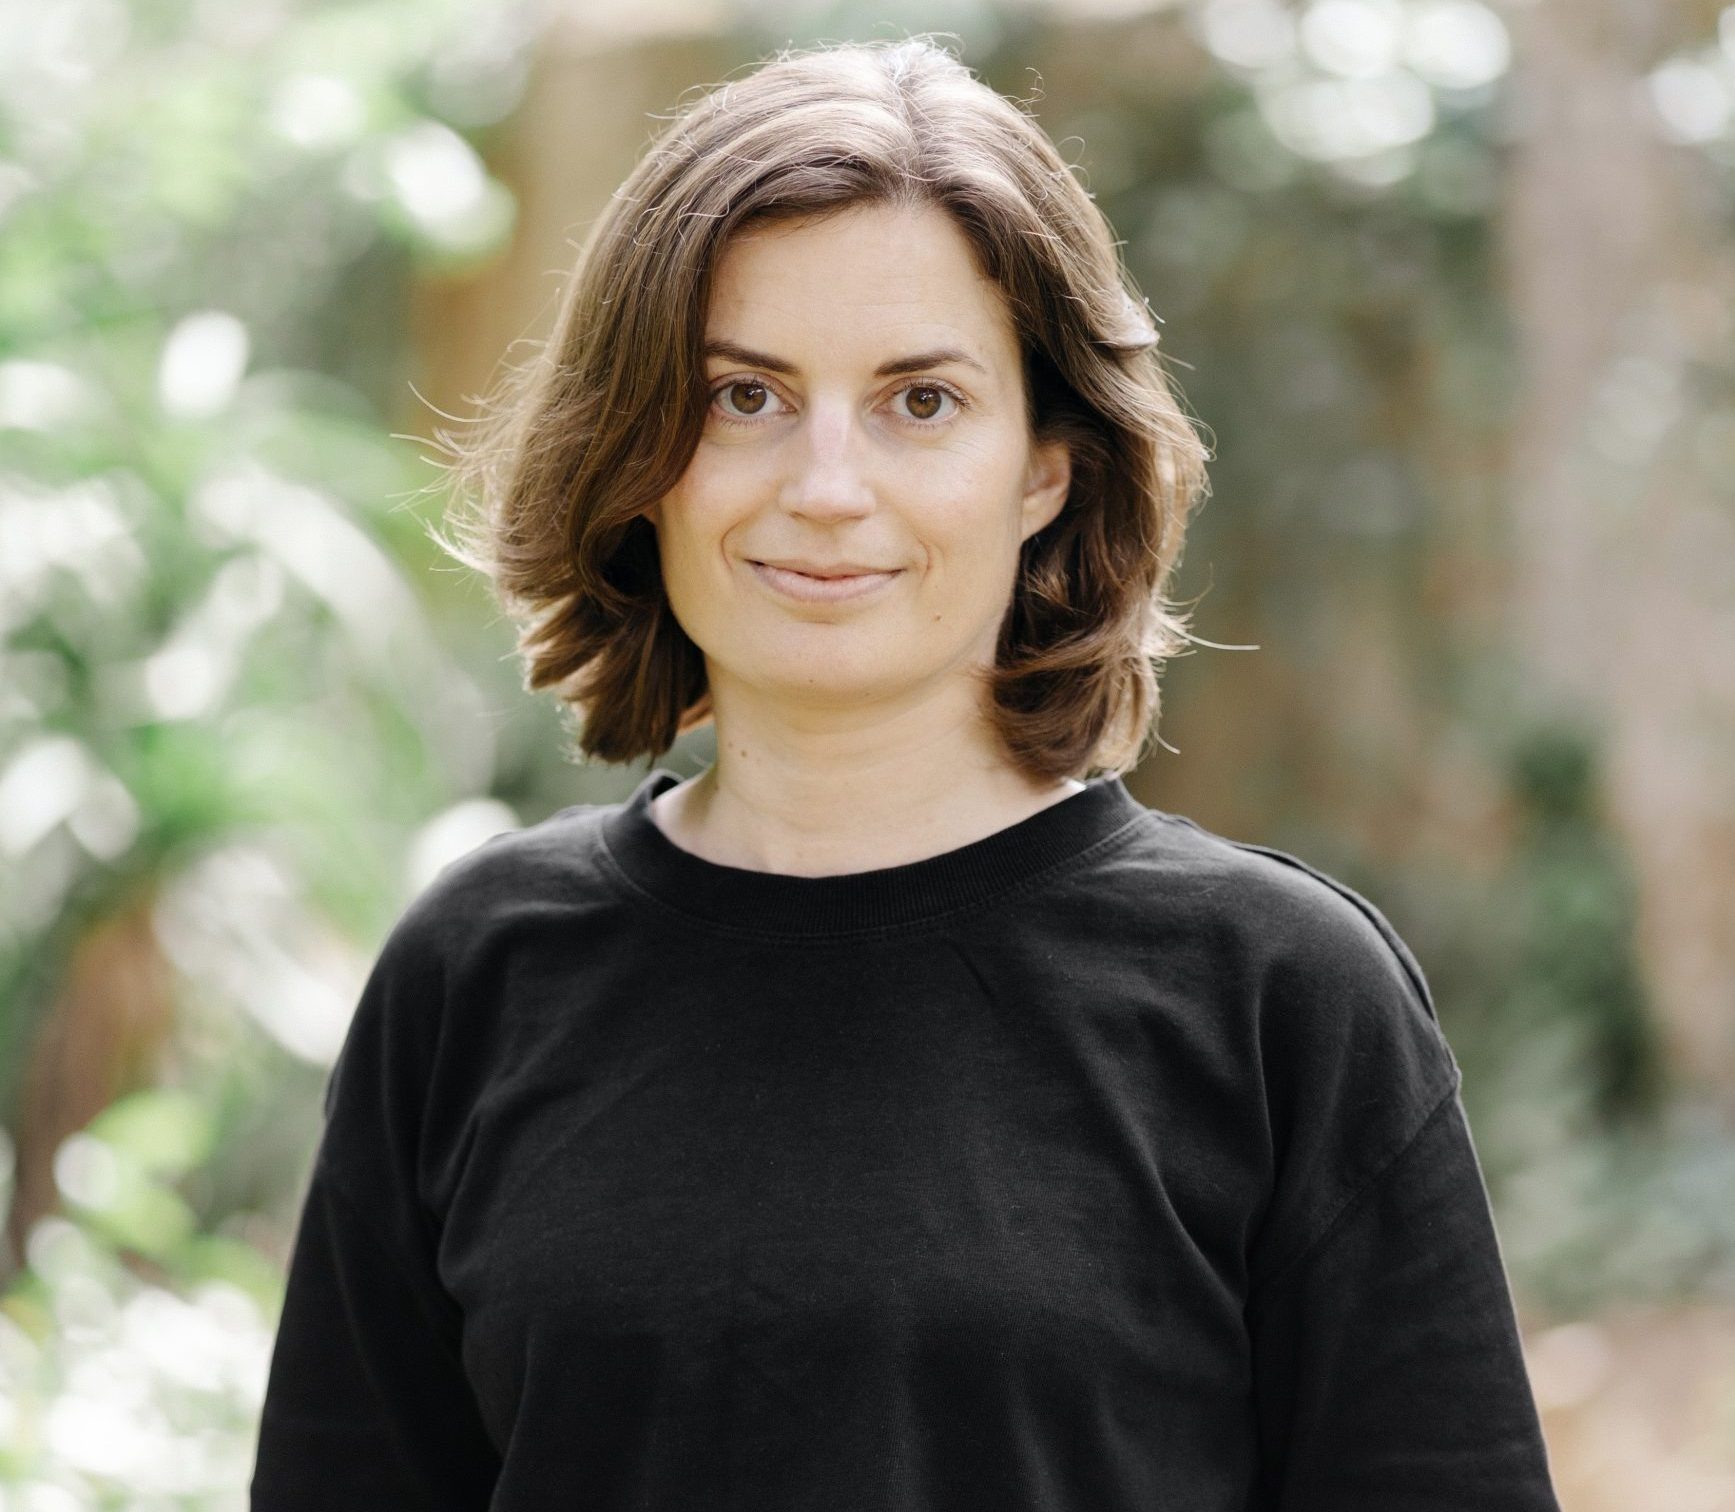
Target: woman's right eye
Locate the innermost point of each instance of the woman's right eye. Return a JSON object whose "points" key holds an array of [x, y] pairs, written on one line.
{"points": [[756, 394]]}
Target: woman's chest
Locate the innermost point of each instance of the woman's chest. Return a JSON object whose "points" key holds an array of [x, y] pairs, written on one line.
{"points": [[839, 1165]]}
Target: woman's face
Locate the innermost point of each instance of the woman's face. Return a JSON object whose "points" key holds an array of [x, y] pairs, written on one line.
{"points": [[867, 411]]}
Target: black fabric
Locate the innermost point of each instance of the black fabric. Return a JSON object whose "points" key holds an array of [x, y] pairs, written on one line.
{"points": [[1102, 1165]]}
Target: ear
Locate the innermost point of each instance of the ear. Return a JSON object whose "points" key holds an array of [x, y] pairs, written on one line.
{"points": [[1046, 485]]}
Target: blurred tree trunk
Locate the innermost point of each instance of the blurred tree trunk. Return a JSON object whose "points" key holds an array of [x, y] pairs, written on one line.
{"points": [[1620, 592], [104, 1036], [586, 116]]}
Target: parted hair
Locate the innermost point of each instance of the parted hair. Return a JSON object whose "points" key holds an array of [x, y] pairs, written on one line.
{"points": [[551, 478]]}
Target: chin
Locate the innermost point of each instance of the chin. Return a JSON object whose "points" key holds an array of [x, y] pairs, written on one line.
{"points": [[824, 679]]}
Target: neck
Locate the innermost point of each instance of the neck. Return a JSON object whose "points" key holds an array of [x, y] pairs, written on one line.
{"points": [[868, 808]]}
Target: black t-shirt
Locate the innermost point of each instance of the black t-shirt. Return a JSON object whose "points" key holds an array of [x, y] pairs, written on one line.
{"points": [[1100, 1165]]}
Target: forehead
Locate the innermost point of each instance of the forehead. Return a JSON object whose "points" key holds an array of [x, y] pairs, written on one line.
{"points": [[865, 278]]}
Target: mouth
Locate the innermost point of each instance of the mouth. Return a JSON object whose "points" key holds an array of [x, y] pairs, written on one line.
{"points": [[808, 588]]}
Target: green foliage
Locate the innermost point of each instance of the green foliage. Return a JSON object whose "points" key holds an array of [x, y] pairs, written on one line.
{"points": [[220, 684], [1585, 1153]]}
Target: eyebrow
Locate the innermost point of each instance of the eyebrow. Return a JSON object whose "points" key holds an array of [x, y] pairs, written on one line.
{"points": [[914, 363]]}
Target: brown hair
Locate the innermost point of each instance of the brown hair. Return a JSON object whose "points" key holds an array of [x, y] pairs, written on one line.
{"points": [[603, 421]]}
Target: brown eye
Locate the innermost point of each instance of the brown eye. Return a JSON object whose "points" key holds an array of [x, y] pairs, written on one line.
{"points": [[926, 401], [758, 389]]}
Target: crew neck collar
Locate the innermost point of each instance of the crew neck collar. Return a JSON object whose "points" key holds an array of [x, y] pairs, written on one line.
{"points": [[780, 903]]}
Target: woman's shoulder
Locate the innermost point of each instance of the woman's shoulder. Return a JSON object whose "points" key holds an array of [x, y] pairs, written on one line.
{"points": [[552, 861], [1291, 915]]}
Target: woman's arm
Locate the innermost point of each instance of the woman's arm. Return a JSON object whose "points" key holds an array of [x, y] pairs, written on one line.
{"points": [[1388, 1371], [367, 1405]]}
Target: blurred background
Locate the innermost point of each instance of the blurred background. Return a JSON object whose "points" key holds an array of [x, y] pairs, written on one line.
{"points": [[1450, 284]]}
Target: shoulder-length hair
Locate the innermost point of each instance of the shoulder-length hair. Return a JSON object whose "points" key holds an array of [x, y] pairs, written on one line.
{"points": [[573, 446]]}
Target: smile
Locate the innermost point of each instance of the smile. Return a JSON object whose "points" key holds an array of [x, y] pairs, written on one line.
{"points": [[814, 590]]}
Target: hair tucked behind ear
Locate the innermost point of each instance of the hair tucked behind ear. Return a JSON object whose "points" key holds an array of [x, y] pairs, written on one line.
{"points": [[553, 477]]}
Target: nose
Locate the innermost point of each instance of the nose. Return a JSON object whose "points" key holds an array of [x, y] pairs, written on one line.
{"points": [[826, 479]]}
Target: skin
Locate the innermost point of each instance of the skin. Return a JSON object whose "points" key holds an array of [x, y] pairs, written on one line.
{"points": [[850, 735]]}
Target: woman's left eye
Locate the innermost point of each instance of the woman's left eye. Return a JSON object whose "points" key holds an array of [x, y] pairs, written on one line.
{"points": [[932, 394], [926, 412]]}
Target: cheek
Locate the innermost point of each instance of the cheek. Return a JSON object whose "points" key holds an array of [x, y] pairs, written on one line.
{"points": [[972, 539], [694, 519], [703, 578]]}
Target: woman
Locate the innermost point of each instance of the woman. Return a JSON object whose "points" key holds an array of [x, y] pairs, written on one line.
{"points": [[886, 1118]]}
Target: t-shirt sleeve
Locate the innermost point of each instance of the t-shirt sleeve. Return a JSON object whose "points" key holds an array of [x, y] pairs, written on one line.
{"points": [[1388, 1370], [366, 1401]]}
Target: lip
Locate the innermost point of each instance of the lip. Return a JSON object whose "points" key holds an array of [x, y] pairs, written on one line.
{"points": [[813, 590]]}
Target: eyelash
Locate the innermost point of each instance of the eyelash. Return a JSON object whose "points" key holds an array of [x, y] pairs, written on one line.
{"points": [[758, 382]]}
